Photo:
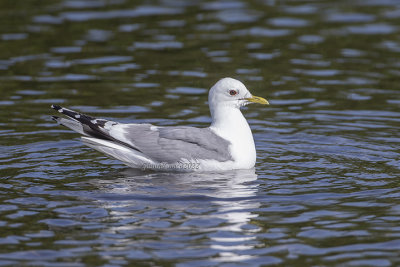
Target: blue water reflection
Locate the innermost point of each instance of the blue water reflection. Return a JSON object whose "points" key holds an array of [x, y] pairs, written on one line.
{"points": [[325, 187]]}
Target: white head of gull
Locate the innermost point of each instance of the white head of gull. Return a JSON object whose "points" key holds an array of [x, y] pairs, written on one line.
{"points": [[226, 145], [225, 99]]}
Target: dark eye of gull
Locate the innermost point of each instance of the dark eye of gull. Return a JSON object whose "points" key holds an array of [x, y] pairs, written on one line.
{"points": [[233, 92]]}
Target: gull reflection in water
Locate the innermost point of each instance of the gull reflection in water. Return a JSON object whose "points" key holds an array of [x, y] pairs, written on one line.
{"points": [[218, 206]]}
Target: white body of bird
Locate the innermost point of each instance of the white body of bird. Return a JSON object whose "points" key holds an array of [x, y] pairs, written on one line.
{"points": [[226, 145]]}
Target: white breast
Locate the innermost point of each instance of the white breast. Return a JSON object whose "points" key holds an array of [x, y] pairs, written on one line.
{"points": [[236, 130]]}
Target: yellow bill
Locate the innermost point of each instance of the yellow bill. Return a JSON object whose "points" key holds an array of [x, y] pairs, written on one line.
{"points": [[257, 99]]}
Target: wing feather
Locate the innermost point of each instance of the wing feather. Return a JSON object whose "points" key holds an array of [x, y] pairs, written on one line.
{"points": [[162, 144], [171, 144]]}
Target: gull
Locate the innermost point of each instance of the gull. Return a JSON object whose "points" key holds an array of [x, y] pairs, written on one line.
{"points": [[227, 144]]}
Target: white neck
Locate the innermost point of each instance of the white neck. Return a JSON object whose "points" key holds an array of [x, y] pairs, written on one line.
{"points": [[229, 123], [228, 118]]}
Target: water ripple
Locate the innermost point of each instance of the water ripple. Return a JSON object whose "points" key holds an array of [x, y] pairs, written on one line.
{"points": [[112, 14], [325, 187]]}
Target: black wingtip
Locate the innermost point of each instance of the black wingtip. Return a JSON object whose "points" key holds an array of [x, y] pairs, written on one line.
{"points": [[56, 107], [56, 119]]}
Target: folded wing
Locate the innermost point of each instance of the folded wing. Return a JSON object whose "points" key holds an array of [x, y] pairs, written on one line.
{"points": [[171, 144], [160, 144]]}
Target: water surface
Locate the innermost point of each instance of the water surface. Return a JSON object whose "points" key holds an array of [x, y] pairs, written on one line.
{"points": [[325, 189]]}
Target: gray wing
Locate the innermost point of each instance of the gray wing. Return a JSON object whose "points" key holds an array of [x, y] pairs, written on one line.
{"points": [[171, 144], [162, 144]]}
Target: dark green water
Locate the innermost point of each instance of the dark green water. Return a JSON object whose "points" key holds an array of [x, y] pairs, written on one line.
{"points": [[325, 190]]}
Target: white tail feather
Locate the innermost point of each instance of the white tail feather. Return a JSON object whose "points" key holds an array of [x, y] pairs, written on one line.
{"points": [[130, 157], [74, 125]]}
